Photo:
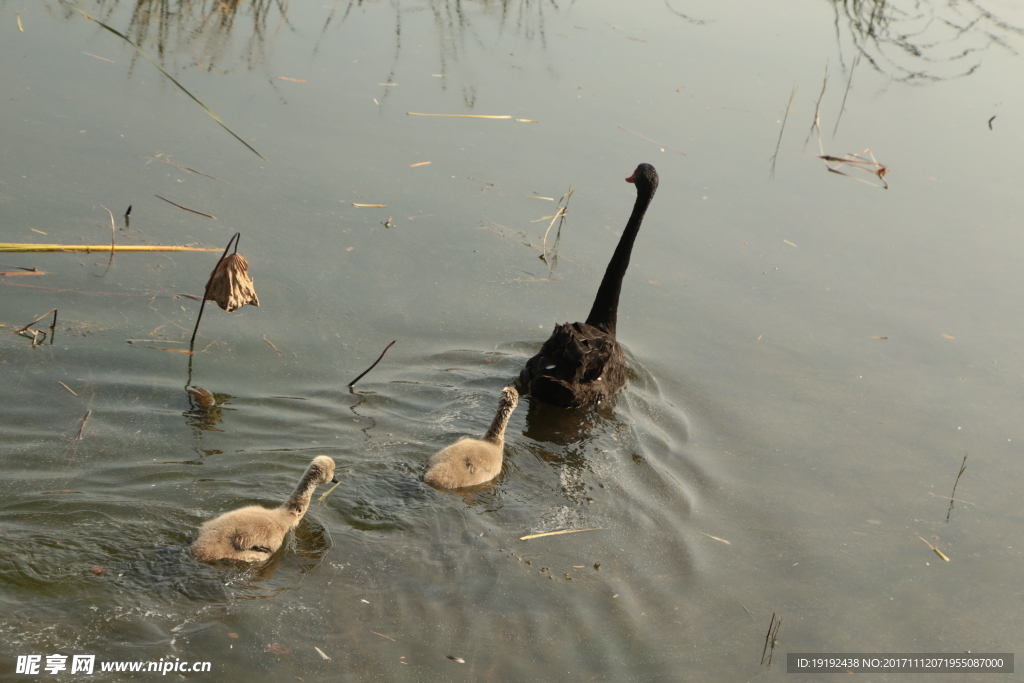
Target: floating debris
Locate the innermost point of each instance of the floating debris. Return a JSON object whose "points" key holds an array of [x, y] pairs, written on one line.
{"points": [[561, 531], [9, 247], [937, 551], [472, 116], [858, 162], [721, 540], [201, 213]]}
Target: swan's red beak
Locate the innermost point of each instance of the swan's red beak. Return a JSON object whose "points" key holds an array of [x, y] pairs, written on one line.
{"points": [[630, 178]]}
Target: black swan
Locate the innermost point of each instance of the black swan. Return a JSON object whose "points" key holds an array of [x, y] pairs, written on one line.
{"points": [[582, 363], [254, 533], [469, 462]]}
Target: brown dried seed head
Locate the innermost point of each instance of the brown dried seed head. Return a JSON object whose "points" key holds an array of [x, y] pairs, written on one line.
{"points": [[230, 285], [202, 397]]}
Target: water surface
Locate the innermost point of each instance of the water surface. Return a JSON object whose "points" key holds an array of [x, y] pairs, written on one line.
{"points": [[812, 355]]}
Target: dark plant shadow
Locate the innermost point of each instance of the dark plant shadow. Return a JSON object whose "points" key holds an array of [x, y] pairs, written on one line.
{"points": [[917, 41]]}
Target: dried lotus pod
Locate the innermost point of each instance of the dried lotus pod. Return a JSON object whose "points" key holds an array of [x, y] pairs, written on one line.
{"points": [[230, 285], [203, 397]]}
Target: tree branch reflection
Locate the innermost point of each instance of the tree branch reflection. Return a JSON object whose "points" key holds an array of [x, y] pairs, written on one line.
{"points": [[922, 41]]}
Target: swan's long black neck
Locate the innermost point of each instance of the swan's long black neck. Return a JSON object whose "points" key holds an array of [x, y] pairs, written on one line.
{"points": [[605, 310]]}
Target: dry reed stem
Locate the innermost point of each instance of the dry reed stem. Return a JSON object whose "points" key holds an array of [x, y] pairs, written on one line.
{"points": [[937, 551], [20, 248], [195, 99], [561, 531], [715, 538], [201, 213], [472, 116], [271, 344], [328, 492]]}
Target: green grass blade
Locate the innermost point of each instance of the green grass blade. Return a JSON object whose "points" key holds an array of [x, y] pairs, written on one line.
{"points": [[175, 81]]}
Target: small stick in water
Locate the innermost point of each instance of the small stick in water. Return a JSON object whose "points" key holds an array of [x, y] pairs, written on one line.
{"points": [[363, 374], [556, 533], [963, 466], [185, 207]]}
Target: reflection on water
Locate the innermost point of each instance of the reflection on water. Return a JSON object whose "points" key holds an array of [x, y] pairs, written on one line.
{"points": [[916, 41]]}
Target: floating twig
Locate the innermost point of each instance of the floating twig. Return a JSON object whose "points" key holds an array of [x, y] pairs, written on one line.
{"points": [[271, 344], [384, 636], [98, 57], [322, 653], [364, 372], [175, 81], [126, 214], [722, 540], [376, 206], [471, 116], [644, 137], [327, 493], [782, 129], [23, 271], [208, 215], [990, 122], [160, 156], [424, 163], [81, 429], [963, 466], [560, 215], [561, 531], [23, 331], [66, 387], [749, 614], [937, 551]]}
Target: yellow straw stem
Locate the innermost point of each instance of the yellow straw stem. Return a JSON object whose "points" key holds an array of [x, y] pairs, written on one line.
{"points": [[6, 247]]}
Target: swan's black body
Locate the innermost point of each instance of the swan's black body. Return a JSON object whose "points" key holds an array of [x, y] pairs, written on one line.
{"points": [[582, 363]]}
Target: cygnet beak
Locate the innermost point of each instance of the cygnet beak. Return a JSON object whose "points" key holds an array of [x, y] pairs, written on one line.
{"points": [[334, 480]]}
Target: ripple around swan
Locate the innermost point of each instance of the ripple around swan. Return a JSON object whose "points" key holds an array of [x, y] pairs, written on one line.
{"points": [[399, 557]]}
